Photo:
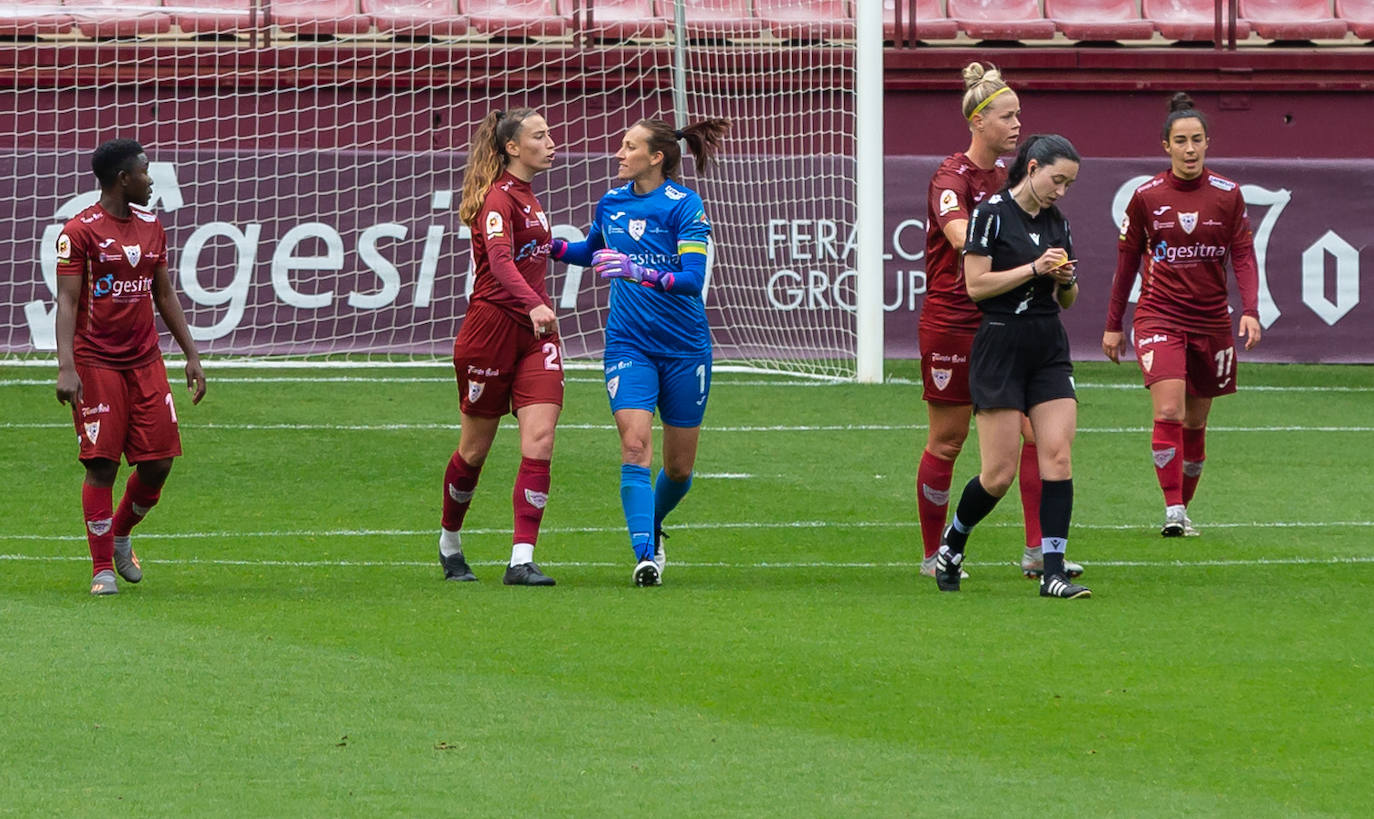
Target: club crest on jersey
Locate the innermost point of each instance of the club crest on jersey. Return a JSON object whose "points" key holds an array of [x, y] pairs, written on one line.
{"points": [[64, 247], [1035, 237], [1187, 221], [133, 253], [941, 378], [543, 220], [475, 391], [637, 228], [613, 385], [1147, 359], [92, 431]]}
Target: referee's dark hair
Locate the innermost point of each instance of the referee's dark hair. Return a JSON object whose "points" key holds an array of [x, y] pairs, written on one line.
{"points": [[112, 157], [1045, 149]]}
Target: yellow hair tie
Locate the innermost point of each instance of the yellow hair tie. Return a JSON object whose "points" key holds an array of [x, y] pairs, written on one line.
{"points": [[991, 97]]}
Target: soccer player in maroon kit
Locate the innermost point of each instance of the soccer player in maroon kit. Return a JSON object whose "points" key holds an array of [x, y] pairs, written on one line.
{"points": [[1185, 223], [111, 272], [507, 355], [949, 318]]}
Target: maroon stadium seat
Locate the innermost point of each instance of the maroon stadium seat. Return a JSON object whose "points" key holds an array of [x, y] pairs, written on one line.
{"points": [[319, 17], [715, 18], [1187, 19], [1099, 19], [213, 16], [616, 19], [1292, 19], [1359, 14], [807, 19], [931, 22], [416, 18], [111, 18], [1001, 19], [514, 18], [25, 18]]}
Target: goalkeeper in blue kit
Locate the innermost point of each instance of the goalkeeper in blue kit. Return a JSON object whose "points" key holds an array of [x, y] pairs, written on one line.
{"points": [[649, 237]]}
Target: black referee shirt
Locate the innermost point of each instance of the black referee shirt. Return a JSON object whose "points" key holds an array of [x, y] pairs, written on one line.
{"points": [[1000, 229]]}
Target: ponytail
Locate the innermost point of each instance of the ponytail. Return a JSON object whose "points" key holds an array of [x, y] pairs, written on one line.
{"points": [[703, 140]]}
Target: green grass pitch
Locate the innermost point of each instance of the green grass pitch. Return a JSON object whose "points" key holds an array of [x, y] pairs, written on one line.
{"points": [[293, 651]]}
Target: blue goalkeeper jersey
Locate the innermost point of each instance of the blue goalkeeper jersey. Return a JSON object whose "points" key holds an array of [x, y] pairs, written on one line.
{"points": [[666, 230]]}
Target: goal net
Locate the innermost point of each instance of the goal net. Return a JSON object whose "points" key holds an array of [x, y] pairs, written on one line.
{"points": [[306, 161]]}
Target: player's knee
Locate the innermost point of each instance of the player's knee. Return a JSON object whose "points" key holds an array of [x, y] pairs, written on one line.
{"points": [[101, 472], [1169, 411], [946, 448], [678, 472], [996, 478], [154, 473], [1055, 466], [634, 450], [538, 445]]}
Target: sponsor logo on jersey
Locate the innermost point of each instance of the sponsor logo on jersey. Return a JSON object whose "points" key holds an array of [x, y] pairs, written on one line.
{"points": [[103, 285], [956, 359], [1035, 237], [93, 218], [144, 215], [483, 372], [1159, 211], [495, 224], [1147, 360], [96, 410], [536, 499], [949, 201], [613, 385], [133, 253], [637, 227], [1221, 385], [994, 199], [1223, 184], [99, 527], [1187, 221], [526, 209], [64, 247], [978, 197], [1212, 223], [940, 378], [475, 391], [673, 193], [701, 217], [1164, 456], [1187, 253], [107, 242], [92, 433], [1158, 225], [1125, 225], [1158, 180], [1151, 339], [617, 215]]}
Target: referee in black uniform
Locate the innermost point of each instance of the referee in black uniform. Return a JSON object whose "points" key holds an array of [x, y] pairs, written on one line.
{"points": [[1019, 269]]}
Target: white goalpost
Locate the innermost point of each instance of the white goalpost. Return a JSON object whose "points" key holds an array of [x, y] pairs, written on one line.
{"points": [[306, 170]]}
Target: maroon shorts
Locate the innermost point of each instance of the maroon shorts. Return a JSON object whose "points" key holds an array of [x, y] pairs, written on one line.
{"points": [[1206, 361], [944, 365], [126, 412], [502, 366]]}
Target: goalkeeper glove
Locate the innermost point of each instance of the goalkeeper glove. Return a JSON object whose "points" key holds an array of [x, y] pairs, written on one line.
{"points": [[612, 264], [557, 248]]}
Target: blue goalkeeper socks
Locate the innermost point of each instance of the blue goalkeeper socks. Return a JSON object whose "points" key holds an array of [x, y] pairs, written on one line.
{"points": [[637, 499], [667, 493]]}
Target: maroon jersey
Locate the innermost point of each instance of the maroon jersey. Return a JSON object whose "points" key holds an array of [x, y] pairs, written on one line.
{"points": [[510, 249], [116, 258], [1185, 229], [958, 186]]}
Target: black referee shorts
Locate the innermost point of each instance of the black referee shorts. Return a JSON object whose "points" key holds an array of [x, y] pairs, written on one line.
{"points": [[1017, 363]]}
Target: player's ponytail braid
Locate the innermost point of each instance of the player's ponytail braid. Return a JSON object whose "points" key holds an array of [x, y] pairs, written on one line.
{"points": [[703, 140], [487, 157]]}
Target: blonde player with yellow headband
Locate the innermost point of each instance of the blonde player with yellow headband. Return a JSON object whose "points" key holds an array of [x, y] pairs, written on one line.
{"points": [[949, 318]]}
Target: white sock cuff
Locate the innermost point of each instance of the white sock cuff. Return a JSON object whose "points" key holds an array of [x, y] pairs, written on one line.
{"points": [[450, 543], [521, 553]]}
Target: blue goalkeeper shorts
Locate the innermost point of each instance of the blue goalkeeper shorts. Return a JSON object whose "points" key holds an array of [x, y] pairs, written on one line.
{"points": [[676, 387]]}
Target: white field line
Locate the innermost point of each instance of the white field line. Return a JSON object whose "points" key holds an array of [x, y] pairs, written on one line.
{"points": [[780, 381], [429, 564], [743, 525], [404, 427]]}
